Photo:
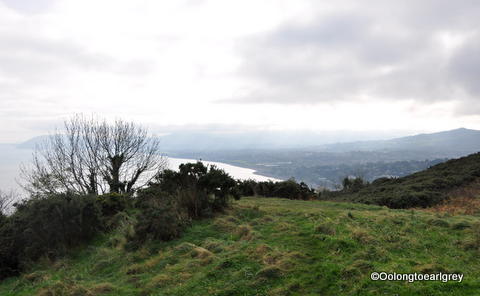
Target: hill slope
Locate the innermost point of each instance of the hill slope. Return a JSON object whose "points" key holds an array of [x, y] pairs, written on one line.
{"points": [[423, 189], [274, 247]]}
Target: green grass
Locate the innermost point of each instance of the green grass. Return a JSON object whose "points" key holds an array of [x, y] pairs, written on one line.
{"points": [[274, 247]]}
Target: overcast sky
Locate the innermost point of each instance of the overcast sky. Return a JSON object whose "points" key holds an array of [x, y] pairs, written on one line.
{"points": [[241, 65]]}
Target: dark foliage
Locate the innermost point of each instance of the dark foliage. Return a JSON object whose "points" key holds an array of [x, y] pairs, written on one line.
{"points": [[176, 198], [160, 216], [286, 189], [46, 226], [112, 203], [201, 190], [353, 184]]}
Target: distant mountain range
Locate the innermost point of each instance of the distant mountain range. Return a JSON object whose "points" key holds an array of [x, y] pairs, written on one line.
{"points": [[457, 142]]}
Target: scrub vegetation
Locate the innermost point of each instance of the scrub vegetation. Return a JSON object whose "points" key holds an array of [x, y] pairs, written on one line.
{"points": [[427, 188], [270, 246]]}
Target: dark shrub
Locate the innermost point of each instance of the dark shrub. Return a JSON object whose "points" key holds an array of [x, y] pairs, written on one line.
{"points": [[46, 226], [285, 189], [9, 258], [195, 202], [353, 184], [247, 187], [113, 203], [292, 190], [199, 189], [160, 216]]}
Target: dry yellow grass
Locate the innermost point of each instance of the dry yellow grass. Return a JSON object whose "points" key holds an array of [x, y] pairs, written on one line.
{"points": [[461, 201]]}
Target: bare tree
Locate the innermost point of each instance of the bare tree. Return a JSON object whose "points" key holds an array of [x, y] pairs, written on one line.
{"points": [[6, 201], [92, 156]]}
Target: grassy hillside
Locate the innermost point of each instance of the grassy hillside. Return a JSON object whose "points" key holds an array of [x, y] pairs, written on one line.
{"points": [[423, 189], [273, 247]]}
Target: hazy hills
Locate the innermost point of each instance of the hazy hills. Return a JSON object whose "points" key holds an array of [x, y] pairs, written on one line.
{"points": [[459, 141], [446, 143]]}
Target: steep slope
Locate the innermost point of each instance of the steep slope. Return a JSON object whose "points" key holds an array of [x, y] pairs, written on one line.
{"points": [[274, 247], [423, 189]]}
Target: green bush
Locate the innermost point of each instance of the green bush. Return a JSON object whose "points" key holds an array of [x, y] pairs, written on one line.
{"points": [[285, 189], [46, 226], [353, 185], [199, 189], [160, 216], [113, 203], [194, 202]]}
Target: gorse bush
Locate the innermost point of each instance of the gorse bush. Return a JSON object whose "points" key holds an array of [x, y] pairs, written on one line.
{"points": [[113, 203], [46, 226], [199, 189], [160, 216], [176, 198], [9, 261], [286, 189]]}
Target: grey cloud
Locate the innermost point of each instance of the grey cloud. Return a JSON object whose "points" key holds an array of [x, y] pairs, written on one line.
{"points": [[332, 31], [431, 15], [29, 64], [464, 67], [387, 50], [36, 60]]}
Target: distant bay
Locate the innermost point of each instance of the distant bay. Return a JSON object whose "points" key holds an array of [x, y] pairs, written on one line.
{"points": [[234, 171]]}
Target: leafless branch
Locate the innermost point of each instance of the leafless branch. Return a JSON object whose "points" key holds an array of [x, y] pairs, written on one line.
{"points": [[92, 156]]}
